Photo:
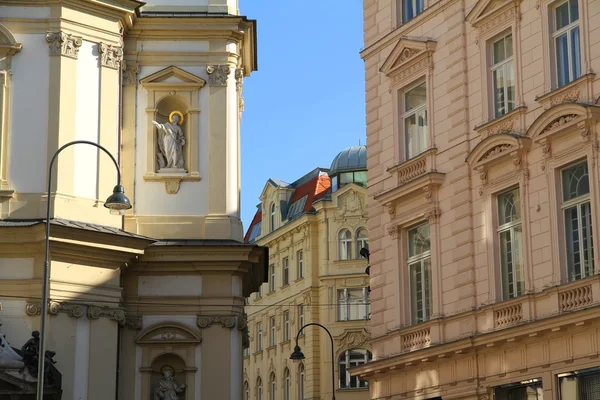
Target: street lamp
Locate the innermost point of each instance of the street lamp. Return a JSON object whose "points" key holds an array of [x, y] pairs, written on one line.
{"points": [[297, 355], [116, 203]]}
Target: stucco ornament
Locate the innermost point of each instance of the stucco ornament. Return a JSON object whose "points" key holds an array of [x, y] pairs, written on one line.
{"points": [[170, 143], [217, 74], [110, 56], [64, 44], [167, 388]]}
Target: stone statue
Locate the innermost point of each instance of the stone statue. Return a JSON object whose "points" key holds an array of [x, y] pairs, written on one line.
{"points": [[31, 351], [170, 142], [167, 387]]}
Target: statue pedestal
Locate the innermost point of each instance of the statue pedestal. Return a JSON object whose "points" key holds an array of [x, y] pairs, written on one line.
{"points": [[171, 171]]}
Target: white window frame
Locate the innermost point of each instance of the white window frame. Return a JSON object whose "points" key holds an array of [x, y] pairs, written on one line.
{"points": [[286, 325], [286, 271], [344, 359], [426, 291], [301, 382], [273, 386], [272, 332], [404, 19], [301, 317], [361, 242], [344, 306], [506, 64], [259, 387], [345, 244], [418, 111], [300, 261], [287, 385], [259, 335], [569, 204], [559, 32], [246, 391], [273, 215], [271, 278], [511, 228]]}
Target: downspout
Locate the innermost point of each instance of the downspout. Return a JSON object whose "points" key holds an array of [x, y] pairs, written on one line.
{"points": [[120, 129]]}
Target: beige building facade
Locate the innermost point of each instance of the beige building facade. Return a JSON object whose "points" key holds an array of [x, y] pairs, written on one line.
{"points": [[315, 229], [161, 289], [483, 198]]}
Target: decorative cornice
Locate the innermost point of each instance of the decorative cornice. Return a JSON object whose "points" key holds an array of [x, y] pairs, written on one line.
{"points": [[352, 340], [130, 73], [110, 56], [78, 310], [64, 44], [217, 74], [115, 314], [226, 321]]}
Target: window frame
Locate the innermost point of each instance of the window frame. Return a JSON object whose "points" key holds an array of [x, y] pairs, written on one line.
{"points": [[259, 334], [301, 318], [345, 243], [403, 114], [272, 215], [413, 260], [368, 356], [300, 264], [272, 332], [502, 65], [301, 378], [287, 384], [246, 391], [286, 271], [346, 305], [286, 325], [273, 386], [556, 33], [272, 278], [399, 12], [259, 387], [510, 227], [361, 242]]}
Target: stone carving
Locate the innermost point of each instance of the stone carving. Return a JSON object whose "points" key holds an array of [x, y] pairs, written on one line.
{"points": [[557, 123], [167, 388], [31, 351], [428, 194], [33, 309], [433, 215], [227, 321], [170, 144], [505, 126], [405, 73], [407, 54], [483, 176], [351, 340], [115, 314], [110, 56], [391, 209], [569, 97], [239, 79], [73, 310], [130, 73], [217, 74], [501, 148], [93, 312], [64, 44], [500, 19], [584, 130], [393, 231]]}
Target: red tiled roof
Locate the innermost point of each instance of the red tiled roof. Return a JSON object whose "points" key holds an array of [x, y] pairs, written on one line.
{"points": [[257, 218]]}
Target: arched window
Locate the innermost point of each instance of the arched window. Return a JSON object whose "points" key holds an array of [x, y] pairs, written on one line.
{"points": [[287, 385], [259, 389], [345, 245], [349, 359], [246, 391], [273, 387], [362, 240], [272, 225], [301, 382]]}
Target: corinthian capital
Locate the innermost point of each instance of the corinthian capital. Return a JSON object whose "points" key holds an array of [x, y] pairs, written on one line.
{"points": [[217, 74], [110, 56], [63, 44]]}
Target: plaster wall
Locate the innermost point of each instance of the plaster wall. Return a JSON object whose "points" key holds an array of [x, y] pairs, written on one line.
{"points": [[194, 46], [16, 268], [170, 286], [37, 12]]}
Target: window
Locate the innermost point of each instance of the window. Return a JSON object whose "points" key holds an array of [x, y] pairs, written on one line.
{"points": [[503, 75], [344, 178], [273, 332], [272, 385], [345, 245], [286, 325], [286, 271], [272, 278], [301, 382], [578, 221], [246, 391], [300, 258], [296, 208], [567, 49], [272, 225], [301, 317], [353, 304], [259, 293], [582, 385], [410, 9], [349, 359], [419, 266], [246, 351], [529, 390], [511, 244], [361, 241], [255, 232], [415, 121], [259, 346], [287, 388], [259, 389]]}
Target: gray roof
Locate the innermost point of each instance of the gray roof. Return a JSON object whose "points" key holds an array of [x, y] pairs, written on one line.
{"points": [[351, 159]]}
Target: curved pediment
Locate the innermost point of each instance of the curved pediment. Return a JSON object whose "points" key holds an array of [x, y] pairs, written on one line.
{"points": [[171, 332], [495, 147], [561, 117], [8, 43]]}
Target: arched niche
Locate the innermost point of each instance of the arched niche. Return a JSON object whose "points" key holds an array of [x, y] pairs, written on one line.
{"points": [[169, 345], [173, 89]]}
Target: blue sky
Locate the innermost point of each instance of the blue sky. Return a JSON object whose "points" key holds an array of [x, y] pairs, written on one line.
{"points": [[306, 102]]}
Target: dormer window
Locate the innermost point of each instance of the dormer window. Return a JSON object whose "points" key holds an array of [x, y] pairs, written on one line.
{"points": [[349, 166], [272, 224]]}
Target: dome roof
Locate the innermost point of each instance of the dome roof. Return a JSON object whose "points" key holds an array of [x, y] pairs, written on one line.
{"points": [[351, 159]]}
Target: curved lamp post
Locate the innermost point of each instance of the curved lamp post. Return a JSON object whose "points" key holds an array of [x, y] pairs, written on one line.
{"points": [[297, 355], [117, 202]]}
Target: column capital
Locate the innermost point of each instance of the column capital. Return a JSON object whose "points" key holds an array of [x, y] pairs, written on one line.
{"points": [[110, 56], [64, 44], [217, 74]]}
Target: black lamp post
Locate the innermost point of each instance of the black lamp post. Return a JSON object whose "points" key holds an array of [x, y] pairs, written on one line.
{"points": [[297, 355], [117, 202]]}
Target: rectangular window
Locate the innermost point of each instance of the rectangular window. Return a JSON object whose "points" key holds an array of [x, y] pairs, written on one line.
{"points": [[286, 325], [259, 344], [414, 115], [273, 332], [353, 304], [272, 278], [419, 267], [286, 271], [411, 8], [503, 76], [300, 258], [246, 352], [567, 48], [526, 390], [301, 317], [582, 384], [577, 221], [511, 244], [259, 293]]}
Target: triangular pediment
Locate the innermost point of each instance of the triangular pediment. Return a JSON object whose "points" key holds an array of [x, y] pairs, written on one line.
{"points": [[173, 76], [485, 9], [406, 50]]}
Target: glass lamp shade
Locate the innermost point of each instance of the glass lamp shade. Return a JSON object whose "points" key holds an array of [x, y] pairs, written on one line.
{"points": [[297, 355], [117, 202]]}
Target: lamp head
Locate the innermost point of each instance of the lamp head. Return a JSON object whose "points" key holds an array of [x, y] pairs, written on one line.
{"points": [[297, 355], [364, 252], [117, 202]]}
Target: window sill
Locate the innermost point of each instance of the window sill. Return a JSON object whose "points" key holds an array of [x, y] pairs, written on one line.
{"points": [[272, 347], [284, 342], [272, 292], [299, 280], [257, 353], [506, 123], [573, 92], [287, 285], [362, 389], [353, 320]]}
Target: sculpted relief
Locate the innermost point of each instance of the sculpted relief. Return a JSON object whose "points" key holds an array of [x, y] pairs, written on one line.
{"points": [[170, 139], [168, 388]]}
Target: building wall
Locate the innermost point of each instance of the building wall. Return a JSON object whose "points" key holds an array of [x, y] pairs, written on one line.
{"points": [[316, 236], [472, 340]]}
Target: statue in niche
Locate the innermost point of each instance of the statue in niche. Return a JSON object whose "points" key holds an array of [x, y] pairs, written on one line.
{"points": [[170, 143], [167, 388]]}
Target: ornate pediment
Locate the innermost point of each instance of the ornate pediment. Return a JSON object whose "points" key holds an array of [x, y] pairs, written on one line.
{"points": [[497, 146], [350, 202], [561, 118], [487, 14], [409, 57], [168, 332], [353, 340], [173, 77], [8, 43]]}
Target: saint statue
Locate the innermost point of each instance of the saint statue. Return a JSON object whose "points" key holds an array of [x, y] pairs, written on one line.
{"points": [[167, 387], [170, 142]]}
